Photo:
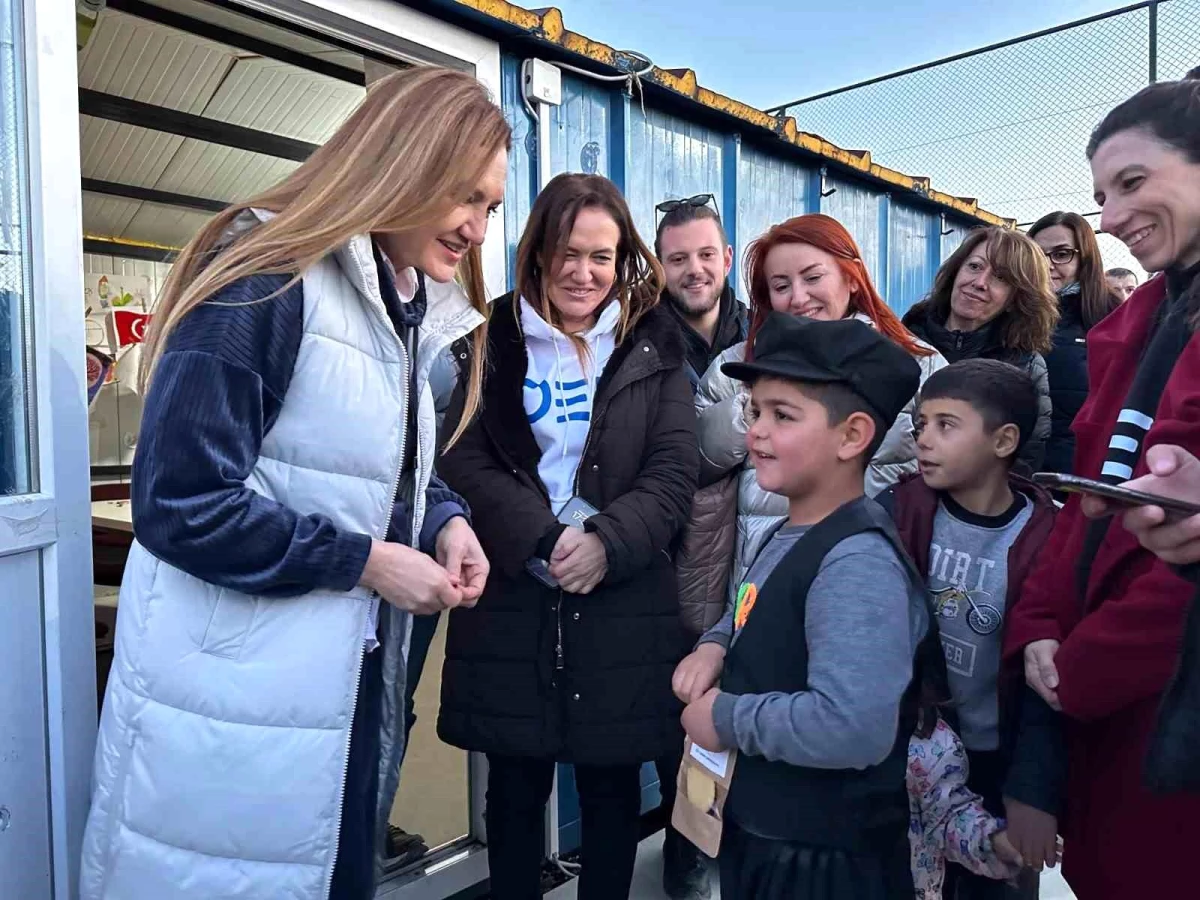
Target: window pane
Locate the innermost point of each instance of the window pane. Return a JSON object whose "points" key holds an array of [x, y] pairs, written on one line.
{"points": [[15, 474]]}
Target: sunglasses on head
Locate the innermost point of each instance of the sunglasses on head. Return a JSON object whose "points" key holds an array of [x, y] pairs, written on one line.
{"points": [[668, 206]]}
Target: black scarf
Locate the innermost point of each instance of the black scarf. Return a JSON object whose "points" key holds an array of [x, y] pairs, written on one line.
{"points": [[731, 328]]}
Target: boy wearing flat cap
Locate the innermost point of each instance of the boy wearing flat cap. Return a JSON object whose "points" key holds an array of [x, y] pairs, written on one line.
{"points": [[818, 684]]}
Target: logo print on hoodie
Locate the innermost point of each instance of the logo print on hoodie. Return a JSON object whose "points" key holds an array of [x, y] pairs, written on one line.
{"points": [[564, 401]]}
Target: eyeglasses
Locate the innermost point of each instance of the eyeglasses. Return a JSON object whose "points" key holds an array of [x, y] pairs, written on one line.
{"points": [[669, 206], [1061, 255]]}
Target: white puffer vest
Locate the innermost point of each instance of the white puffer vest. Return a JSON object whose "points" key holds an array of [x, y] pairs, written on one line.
{"points": [[223, 742]]}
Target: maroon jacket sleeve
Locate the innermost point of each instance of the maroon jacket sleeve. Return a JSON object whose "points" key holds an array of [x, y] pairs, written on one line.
{"points": [[1049, 603], [1125, 649]]}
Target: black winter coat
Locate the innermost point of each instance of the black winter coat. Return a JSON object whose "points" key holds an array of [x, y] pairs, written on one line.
{"points": [[608, 699], [1066, 366], [985, 344]]}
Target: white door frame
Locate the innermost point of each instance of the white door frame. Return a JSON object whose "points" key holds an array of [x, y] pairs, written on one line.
{"points": [[52, 526]]}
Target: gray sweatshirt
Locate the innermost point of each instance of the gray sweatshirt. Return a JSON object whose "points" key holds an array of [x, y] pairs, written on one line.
{"points": [[968, 584], [864, 619]]}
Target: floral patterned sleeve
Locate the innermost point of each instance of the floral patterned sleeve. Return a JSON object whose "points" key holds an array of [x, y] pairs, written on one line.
{"points": [[947, 819]]}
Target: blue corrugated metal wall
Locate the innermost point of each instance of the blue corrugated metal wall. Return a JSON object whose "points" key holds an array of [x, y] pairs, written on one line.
{"points": [[910, 269], [654, 156], [669, 157], [863, 210], [769, 190], [954, 233]]}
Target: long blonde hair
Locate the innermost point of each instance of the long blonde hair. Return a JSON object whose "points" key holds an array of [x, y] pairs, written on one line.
{"points": [[413, 150]]}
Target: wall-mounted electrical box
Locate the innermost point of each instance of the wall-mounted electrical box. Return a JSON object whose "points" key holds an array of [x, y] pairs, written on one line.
{"points": [[543, 83]]}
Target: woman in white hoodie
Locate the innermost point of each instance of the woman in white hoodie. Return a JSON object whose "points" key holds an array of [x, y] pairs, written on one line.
{"points": [[807, 266], [568, 656]]}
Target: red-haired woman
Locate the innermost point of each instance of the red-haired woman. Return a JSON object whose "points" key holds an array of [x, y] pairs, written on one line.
{"points": [[807, 266]]}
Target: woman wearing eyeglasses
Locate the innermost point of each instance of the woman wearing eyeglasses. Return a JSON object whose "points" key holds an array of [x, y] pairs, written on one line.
{"points": [[1084, 298]]}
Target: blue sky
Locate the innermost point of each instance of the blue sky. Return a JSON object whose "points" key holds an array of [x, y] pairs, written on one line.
{"points": [[767, 52]]}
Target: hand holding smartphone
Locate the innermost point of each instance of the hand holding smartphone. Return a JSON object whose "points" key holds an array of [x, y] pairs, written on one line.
{"points": [[573, 515], [1115, 495]]}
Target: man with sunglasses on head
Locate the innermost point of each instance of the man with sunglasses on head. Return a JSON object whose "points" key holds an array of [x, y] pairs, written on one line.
{"points": [[696, 257]]}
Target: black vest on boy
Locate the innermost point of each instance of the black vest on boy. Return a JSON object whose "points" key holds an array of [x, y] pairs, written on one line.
{"points": [[848, 809]]}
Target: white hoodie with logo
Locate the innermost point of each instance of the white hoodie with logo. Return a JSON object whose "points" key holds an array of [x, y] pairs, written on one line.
{"points": [[559, 392]]}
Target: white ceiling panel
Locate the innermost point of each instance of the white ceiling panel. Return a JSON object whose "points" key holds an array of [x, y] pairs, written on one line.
{"points": [[275, 97], [107, 216], [139, 60], [263, 31], [164, 225], [221, 173], [113, 151]]}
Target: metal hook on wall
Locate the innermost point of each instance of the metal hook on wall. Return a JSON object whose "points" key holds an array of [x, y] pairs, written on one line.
{"points": [[826, 191]]}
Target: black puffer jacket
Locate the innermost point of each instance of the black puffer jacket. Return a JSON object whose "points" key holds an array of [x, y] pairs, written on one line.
{"points": [[1066, 367], [986, 344], [608, 699]]}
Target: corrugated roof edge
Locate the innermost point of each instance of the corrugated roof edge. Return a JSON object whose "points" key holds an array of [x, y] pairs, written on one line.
{"points": [[547, 25]]}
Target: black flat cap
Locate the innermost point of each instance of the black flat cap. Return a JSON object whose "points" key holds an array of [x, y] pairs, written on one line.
{"points": [[845, 351]]}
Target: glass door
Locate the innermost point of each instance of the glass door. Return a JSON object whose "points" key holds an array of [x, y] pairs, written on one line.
{"points": [[47, 682]]}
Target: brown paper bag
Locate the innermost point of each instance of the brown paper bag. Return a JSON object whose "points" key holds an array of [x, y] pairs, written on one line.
{"points": [[703, 784]]}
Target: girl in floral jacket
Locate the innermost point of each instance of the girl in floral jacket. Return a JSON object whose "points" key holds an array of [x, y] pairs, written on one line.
{"points": [[947, 821]]}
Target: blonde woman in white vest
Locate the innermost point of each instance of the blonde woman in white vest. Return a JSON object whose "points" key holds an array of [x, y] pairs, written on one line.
{"points": [[288, 522]]}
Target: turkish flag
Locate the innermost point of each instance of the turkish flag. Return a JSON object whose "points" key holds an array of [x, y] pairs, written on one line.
{"points": [[130, 326]]}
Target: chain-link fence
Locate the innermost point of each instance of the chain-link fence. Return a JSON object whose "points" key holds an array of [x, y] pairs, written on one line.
{"points": [[1008, 124]]}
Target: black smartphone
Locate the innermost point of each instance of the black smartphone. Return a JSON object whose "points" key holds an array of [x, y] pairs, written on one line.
{"points": [[1120, 496]]}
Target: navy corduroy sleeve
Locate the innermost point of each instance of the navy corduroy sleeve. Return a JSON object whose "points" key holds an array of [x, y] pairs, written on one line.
{"points": [[441, 505], [217, 391]]}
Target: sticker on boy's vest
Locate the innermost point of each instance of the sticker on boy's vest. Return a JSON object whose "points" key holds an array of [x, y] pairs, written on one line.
{"points": [[717, 763], [704, 779], [746, 597]]}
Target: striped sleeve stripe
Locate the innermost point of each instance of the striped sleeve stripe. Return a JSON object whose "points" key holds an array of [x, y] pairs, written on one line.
{"points": [[1117, 470], [1136, 418]]}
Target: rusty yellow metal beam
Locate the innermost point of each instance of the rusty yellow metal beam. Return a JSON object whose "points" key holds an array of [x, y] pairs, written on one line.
{"points": [[129, 242], [547, 25]]}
